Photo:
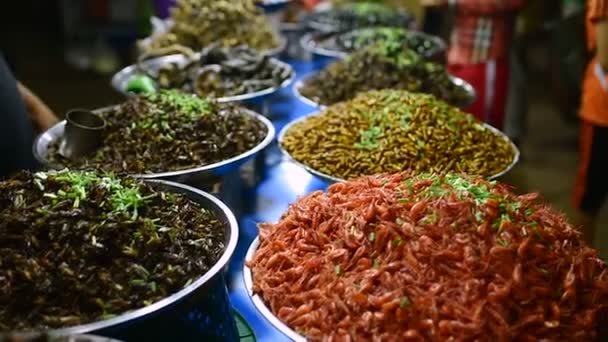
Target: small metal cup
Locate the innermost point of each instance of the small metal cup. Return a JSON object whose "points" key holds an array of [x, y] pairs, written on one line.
{"points": [[83, 133]]}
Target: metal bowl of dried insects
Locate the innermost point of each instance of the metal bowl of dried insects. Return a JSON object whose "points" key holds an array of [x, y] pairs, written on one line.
{"points": [[44, 147], [467, 96], [353, 139], [240, 80], [167, 297], [326, 48]]}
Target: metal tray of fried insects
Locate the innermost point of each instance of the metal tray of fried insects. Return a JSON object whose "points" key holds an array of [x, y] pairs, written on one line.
{"points": [[188, 176], [200, 311], [464, 85], [121, 79], [312, 43], [332, 179]]}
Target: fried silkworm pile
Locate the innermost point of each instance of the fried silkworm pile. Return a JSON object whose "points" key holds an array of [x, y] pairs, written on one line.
{"points": [[384, 65], [220, 72], [357, 15], [392, 130], [77, 247], [424, 45], [169, 131], [199, 23], [422, 257]]}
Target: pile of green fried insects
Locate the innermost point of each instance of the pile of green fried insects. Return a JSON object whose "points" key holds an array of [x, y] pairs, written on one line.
{"points": [[383, 65], [169, 131], [393, 130], [77, 247], [358, 39]]}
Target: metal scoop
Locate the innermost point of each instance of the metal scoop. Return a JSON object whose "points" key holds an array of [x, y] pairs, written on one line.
{"points": [[83, 133]]}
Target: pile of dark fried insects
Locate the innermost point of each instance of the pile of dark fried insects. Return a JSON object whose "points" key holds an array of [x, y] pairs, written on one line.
{"points": [[77, 247], [169, 131]]}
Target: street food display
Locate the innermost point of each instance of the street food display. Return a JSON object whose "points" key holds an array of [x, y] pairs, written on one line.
{"points": [[392, 130], [196, 24], [418, 257], [78, 247], [169, 131], [383, 65]]}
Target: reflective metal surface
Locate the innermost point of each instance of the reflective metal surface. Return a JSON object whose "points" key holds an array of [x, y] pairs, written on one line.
{"points": [[332, 179], [259, 302], [83, 133], [121, 79], [296, 92], [190, 176]]}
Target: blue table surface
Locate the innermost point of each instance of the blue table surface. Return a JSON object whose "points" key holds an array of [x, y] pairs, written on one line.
{"points": [[282, 183]]}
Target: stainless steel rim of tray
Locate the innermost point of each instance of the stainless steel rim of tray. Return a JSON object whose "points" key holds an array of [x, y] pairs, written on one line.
{"points": [[332, 179], [42, 142], [308, 42], [296, 92], [259, 303], [121, 79], [231, 227], [468, 88]]}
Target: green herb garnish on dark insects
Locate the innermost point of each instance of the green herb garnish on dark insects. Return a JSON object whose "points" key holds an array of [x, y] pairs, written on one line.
{"points": [[79, 247], [169, 131]]}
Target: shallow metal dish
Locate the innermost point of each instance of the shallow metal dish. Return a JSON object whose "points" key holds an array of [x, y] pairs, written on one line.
{"points": [[324, 56], [466, 86], [332, 179], [200, 310], [259, 303], [190, 176], [121, 79], [296, 92]]}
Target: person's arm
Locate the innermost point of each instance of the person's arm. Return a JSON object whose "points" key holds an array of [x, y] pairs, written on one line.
{"points": [[601, 29], [42, 116], [481, 7]]}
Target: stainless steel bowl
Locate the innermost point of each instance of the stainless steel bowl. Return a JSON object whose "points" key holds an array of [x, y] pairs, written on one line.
{"points": [[466, 86], [259, 303], [332, 179], [296, 92], [189, 176], [121, 79], [183, 312], [323, 56]]}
